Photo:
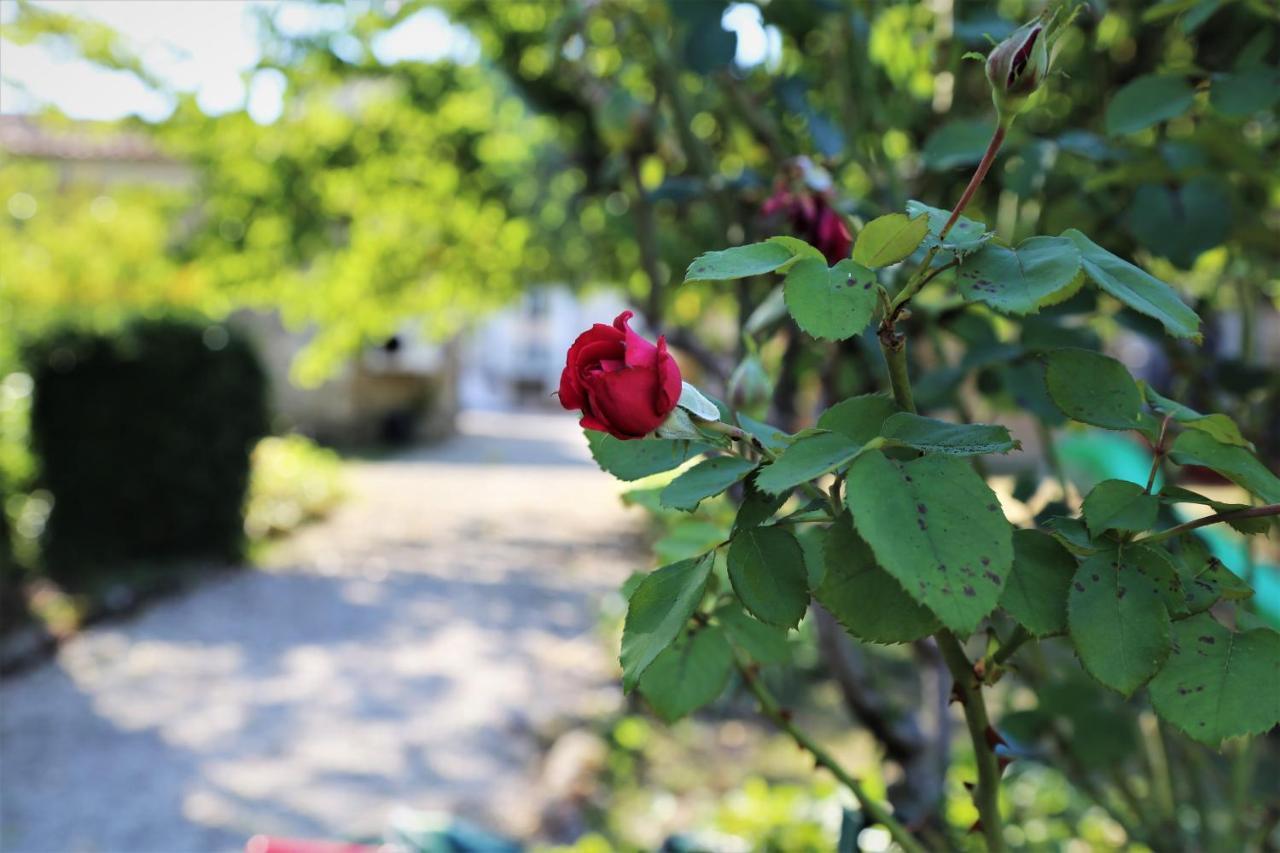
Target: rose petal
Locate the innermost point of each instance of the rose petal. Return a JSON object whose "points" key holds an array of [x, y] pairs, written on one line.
{"points": [[570, 397], [625, 400], [592, 422], [669, 379], [620, 322]]}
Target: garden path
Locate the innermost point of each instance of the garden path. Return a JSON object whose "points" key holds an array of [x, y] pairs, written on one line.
{"points": [[403, 652]]}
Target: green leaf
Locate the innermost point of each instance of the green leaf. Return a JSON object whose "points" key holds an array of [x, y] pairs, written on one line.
{"points": [[709, 477], [1248, 526], [935, 526], [797, 247], [1072, 535], [1136, 287], [1119, 505], [830, 304], [695, 402], [1235, 463], [688, 539], [767, 570], [935, 436], [1157, 564], [762, 643], [813, 542], [1218, 684], [965, 237], [1036, 592], [1246, 92], [807, 458], [1092, 388], [638, 458], [1221, 427], [1041, 271], [757, 507], [689, 674], [658, 611], [869, 602], [1181, 222], [680, 426], [957, 143], [1118, 621], [770, 436], [1205, 581], [738, 262], [772, 309], [1145, 101], [888, 239], [858, 418]]}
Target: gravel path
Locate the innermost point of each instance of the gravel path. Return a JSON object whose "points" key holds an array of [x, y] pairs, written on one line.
{"points": [[401, 653]]}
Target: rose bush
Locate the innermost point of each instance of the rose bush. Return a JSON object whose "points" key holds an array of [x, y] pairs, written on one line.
{"points": [[877, 523], [622, 384]]}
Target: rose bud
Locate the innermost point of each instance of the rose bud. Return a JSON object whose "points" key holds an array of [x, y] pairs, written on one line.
{"points": [[622, 384], [802, 193], [1018, 65]]}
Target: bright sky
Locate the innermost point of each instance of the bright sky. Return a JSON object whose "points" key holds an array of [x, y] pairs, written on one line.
{"points": [[209, 47]]}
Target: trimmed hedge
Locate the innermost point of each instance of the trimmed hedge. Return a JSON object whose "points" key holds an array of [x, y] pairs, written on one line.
{"points": [[143, 438]]}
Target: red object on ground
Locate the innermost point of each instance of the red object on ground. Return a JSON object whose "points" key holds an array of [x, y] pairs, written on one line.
{"points": [[268, 844]]}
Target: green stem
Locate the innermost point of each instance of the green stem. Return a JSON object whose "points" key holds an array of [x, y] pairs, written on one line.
{"points": [[1158, 761], [894, 348], [1216, 518], [1157, 455], [1019, 636], [874, 810], [986, 795], [743, 437], [1051, 454]]}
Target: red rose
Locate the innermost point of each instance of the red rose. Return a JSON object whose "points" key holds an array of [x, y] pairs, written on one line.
{"points": [[814, 220], [623, 384]]}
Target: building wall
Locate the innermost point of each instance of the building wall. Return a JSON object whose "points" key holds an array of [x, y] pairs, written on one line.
{"points": [[515, 356]]}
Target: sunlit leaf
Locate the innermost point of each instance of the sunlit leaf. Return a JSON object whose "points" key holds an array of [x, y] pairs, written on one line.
{"points": [[831, 304]]}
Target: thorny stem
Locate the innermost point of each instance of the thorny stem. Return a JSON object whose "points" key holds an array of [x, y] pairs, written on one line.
{"points": [[1216, 518], [986, 795], [875, 811], [892, 344], [969, 688]]}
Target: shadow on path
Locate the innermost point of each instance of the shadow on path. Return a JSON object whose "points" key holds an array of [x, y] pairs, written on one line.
{"points": [[400, 653]]}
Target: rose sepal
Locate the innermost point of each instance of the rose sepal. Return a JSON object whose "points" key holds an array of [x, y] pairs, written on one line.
{"points": [[697, 404]]}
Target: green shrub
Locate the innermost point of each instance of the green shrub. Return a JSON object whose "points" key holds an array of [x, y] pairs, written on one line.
{"points": [[293, 481], [143, 438]]}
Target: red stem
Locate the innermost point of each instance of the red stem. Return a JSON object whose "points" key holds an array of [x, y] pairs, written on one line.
{"points": [[997, 139]]}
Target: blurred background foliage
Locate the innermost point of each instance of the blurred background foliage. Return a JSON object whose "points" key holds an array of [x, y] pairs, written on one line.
{"points": [[605, 144]]}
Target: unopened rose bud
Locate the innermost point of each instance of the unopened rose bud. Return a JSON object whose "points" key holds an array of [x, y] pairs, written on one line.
{"points": [[1017, 66]]}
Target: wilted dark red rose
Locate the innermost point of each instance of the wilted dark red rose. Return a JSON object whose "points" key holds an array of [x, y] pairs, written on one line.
{"points": [[623, 384], [813, 220]]}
